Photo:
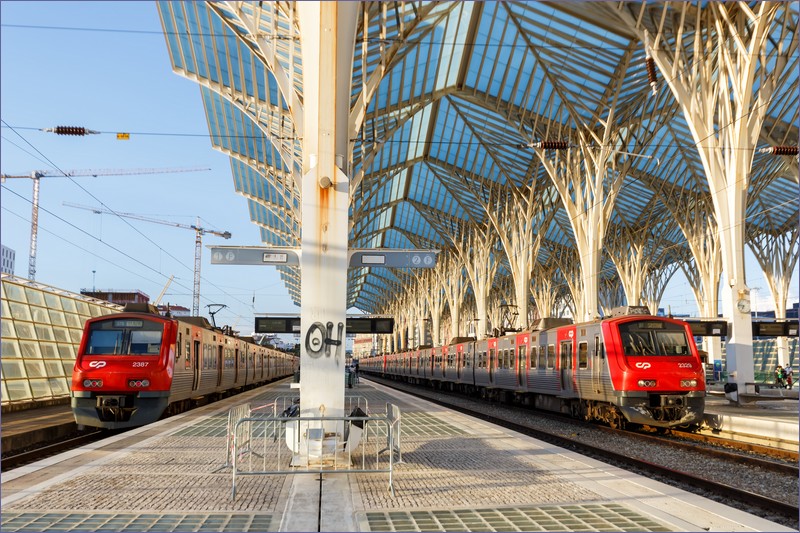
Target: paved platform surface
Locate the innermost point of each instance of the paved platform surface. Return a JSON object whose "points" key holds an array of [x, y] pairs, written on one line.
{"points": [[458, 474]]}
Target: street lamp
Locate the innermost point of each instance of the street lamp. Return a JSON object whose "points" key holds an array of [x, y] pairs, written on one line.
{"points": [[755, 301]]}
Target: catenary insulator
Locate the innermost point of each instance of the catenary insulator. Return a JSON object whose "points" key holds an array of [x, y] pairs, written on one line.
{"points": [[70, 130], [552, 145], [780, 150], [651, 73]]}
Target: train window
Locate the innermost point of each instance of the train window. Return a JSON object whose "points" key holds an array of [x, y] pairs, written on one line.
{"points": [[523, 359], [490, 361], [566, 354], [583, 354], [124, 337], [188, 360], [648, 337], [542, 361], [551, 356], [178, 346]]}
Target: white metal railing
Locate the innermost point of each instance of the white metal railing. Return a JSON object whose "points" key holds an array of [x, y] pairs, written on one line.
{"points": [[268, 445]]}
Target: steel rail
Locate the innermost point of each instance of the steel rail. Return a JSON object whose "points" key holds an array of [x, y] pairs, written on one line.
{"points": [[768, 505]]}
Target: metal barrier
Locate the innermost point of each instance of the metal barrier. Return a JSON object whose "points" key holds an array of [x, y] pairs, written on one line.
{"points": [[259, 448], [236, 413]]}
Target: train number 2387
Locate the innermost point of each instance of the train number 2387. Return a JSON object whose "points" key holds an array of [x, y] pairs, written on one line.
{"points": [[140, 363]]}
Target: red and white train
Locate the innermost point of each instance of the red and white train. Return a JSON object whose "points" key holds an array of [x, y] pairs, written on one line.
{"points": [[133, 366], [631, 368]]}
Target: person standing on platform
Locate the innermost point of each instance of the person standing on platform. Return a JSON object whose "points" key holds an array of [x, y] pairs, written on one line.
{"points": [[779, 377], [789, 378]]}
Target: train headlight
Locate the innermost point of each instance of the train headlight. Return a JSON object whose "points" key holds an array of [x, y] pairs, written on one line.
{"points": [[647, 383], [92, 383], [688, 383], [138, 383]]}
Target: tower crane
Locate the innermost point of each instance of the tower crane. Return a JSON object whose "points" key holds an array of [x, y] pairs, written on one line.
{"points": [[36, 175], [198, 242]]}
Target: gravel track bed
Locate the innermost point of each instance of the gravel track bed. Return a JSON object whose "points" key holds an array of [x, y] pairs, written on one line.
{"points": [[744, 476]]}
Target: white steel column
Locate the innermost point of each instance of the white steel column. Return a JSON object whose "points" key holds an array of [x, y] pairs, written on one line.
{"points": [[327, 30], [723, 83]]}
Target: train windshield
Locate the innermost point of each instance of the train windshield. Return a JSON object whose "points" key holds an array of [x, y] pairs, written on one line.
{"points": [[124, 336], [653, 337]]}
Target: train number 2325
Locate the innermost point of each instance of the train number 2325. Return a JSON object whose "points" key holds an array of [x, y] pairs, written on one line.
{"points": [[137, 364]]}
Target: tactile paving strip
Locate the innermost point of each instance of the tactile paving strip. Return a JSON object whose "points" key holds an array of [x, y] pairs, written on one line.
{"points": [[588, 517], [140, 522]]}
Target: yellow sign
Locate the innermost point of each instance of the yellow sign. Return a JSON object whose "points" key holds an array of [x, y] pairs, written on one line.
{"points": [[123, 136]]}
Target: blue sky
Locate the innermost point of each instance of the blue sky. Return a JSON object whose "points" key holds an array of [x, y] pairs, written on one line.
{"points": [[118, 81], [111, 73]]}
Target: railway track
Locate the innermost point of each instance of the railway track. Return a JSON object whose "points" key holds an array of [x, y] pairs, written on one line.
{"points": [[758, 498], [17, 459]]}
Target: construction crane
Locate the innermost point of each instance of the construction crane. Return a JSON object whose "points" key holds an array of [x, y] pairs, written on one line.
{"points": [[198, 242], [36, 175]]}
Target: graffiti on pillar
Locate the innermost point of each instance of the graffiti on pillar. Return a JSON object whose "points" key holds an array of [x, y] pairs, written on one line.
{"points": [[319, 339]]}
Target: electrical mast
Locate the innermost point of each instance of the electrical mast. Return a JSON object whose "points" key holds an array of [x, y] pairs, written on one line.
{"points": [[36, 175], [198, 243]]}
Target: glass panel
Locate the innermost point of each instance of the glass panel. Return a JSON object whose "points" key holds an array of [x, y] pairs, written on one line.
{"points": [[53, 300], [24, 330], [20, 311], [83, 308], [44, 332], [7, 328], [59, 386], [69, 366], [15, 292], [68, 305], [61, 334], [13, 368], [54, 368], [30, 350], [66, 352], [57, 318], [41, 388], [34, 296], [74, 321], [95, 310], [76, 335], [49, 350], [34, 368], [9, 349], [3, 392], [18, 389], [39, 315], [6, 309]]}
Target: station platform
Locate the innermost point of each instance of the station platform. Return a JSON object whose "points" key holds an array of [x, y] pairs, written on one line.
{"points": [[772, 418], [457, 474], [21, 429]]}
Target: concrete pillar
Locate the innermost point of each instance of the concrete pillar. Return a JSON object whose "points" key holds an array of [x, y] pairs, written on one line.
{"points": [[327, 31]]}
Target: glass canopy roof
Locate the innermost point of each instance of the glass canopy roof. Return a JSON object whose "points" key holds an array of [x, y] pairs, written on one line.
{"points": [[453, 96]]}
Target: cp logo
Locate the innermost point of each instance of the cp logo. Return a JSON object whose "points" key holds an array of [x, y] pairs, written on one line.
{"points": [[97, 364], [643, 366]]}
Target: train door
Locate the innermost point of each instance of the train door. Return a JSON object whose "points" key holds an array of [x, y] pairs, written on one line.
{"points": [[236, 365], [598, 358], [565, 349], [490, 362], [522, 365], [220, 365], [196, 370]]}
